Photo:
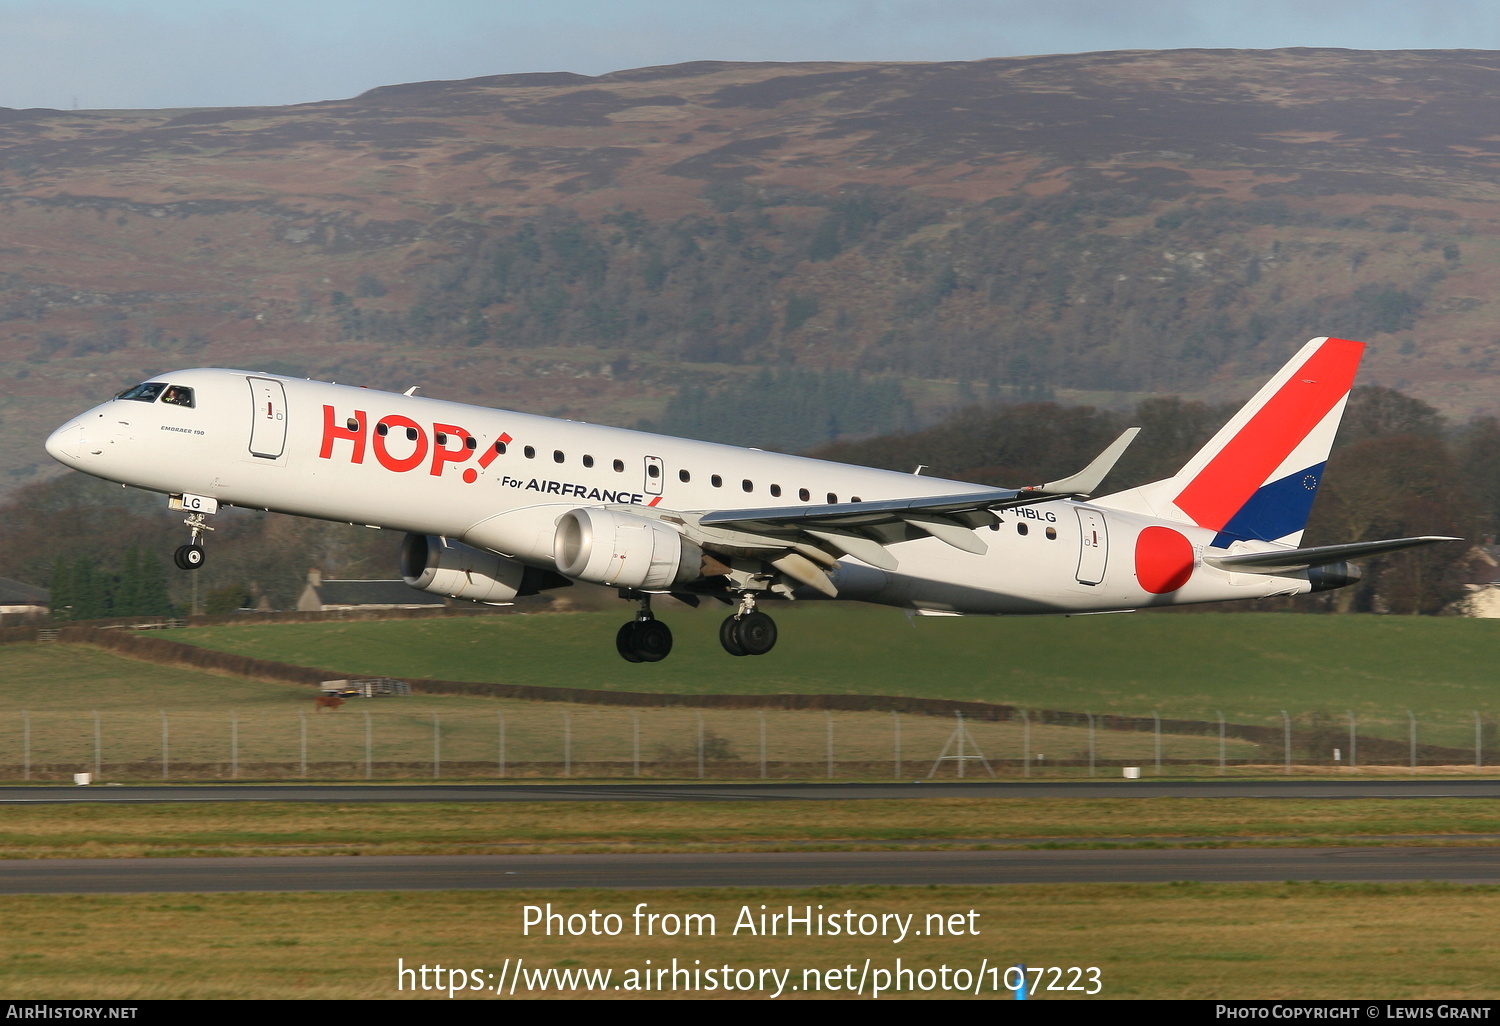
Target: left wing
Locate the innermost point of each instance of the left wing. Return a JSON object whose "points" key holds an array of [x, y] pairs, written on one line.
{"points": [[864, 529]]}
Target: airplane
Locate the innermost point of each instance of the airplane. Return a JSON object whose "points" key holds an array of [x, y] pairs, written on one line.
{"points": [[497, 504]]}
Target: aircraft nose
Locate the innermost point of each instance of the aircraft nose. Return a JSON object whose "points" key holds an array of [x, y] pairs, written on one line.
{"points": [[66, 443]]}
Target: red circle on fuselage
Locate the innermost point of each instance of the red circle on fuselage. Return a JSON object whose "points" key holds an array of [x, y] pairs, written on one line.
{"points": [[1163, 560]]}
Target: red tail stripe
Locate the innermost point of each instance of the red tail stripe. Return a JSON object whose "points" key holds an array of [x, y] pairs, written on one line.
{"points": [[1216, 494]]}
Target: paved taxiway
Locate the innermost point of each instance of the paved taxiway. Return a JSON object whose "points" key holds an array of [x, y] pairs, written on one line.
{"points": [[768, 869], [640, 792]]}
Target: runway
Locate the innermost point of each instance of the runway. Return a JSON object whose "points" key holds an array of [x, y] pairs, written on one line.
{"points": [[758, 791], [771, 869]]}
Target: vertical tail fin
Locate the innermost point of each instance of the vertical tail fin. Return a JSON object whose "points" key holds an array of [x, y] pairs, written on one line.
{"points": [[1256, 479]]}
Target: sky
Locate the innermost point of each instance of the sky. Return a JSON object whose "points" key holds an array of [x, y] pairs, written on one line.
{"points": [[208, 53]]}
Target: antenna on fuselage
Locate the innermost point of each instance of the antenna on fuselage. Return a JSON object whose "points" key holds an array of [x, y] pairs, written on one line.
{"points": [[412, 390]]}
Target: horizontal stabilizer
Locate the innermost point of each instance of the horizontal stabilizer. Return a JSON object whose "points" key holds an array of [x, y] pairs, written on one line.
{"points": [[1289, 560]]}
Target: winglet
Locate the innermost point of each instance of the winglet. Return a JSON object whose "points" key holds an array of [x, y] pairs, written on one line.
{"points": [[1092, 476]]}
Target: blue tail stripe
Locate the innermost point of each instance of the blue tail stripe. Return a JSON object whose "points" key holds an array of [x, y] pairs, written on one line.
{"points": [[1275, 510]]}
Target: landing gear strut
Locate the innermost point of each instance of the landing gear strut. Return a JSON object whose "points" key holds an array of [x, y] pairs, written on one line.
{"points": [[191, 555], [748, 632], [644, 639]]}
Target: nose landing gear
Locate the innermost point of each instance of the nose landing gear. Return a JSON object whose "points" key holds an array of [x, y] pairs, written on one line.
{"points": [[192, 555], [644, 639], [748, 632]]}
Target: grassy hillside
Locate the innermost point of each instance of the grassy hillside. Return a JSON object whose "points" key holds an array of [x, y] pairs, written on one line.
{"points": [[1248, 665]]}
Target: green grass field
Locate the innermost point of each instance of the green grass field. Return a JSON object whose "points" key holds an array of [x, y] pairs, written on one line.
{"points": [[216, 829], [1249, 665], [1205, 941]]}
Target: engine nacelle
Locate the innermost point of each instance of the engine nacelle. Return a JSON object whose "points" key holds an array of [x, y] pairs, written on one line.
{"points": [[619, 550], [446, 567]]}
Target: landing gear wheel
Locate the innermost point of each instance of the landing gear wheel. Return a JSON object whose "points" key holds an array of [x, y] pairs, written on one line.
{"points": [[755, 633], [644, 641], [625, 642], [653, 640], [189, 557], [728, 639]]}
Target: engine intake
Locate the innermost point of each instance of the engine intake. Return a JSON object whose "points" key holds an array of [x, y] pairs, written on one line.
{"points": [[445, 567], [619, 550]]}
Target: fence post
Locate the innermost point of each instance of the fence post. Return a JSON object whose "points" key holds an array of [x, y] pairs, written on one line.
{"points": [[166, 750], [99, 754], [1286, 741], [302, 747], [699, 716], [437, 746], [896, 720], [1413, 720], [762, 714], [25, 745], [234, 745], [1091, 741], [1025, 743], [1478, 742], [635, 743], [567, 743], [1156, 726], [829, 717], [1353, 743], [1221, 741], [501, 717], [369, 732]]}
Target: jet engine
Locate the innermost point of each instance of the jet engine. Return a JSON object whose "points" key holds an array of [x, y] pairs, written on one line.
{"points": [[446, 567], [620, 550]]}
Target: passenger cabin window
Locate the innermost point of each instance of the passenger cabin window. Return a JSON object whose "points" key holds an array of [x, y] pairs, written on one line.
{"points": [[557, 456], [652, 470], [832, 499], [499, 446], [619, 466], [384, 429], [471, 442], [1052, 534], [441, 438], [352, 424], [684, 476], [854, 498], [529, 452], [776, 491], [143, 393], [748, 485], [716, 481], [804, 494], [181, 395], [588, 461], [1021, 527], [411, 434]]}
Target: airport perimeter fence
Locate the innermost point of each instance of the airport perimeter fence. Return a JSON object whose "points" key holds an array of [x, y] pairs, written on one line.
{"points": [[406, 738]]}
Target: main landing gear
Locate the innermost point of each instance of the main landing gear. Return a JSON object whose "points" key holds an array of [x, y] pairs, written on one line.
{"points": [[644, 639], [191, 555], [748, 632], [647, 640]]}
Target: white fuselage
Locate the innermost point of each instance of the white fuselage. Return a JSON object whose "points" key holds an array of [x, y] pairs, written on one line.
{"points": [[308, 460]]}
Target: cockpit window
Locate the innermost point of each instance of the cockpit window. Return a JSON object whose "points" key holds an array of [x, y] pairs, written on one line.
{"points": [[146, 393], [178, 395]]}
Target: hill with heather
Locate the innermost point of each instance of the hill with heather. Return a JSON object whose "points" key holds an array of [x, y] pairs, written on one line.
{"points": [[870, 244]]}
